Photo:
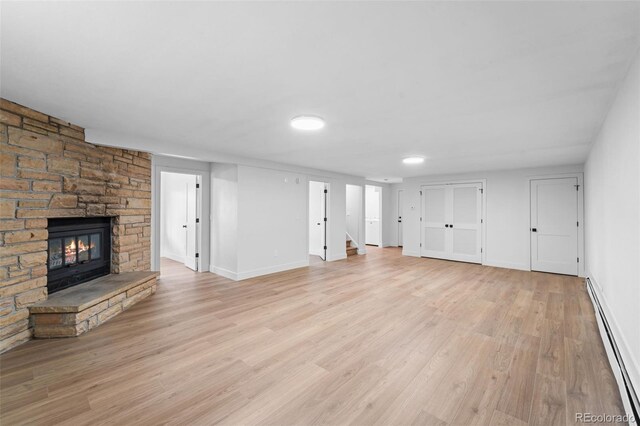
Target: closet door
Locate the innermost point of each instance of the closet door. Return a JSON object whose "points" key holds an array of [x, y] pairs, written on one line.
{"points": [[436, 206], [465, 227], [452, 222], [554, 225]]}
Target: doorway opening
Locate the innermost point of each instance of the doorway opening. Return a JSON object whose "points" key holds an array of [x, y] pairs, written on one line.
{"points": [[354, 220], [180, 211], [373, 211], [318, 220]]}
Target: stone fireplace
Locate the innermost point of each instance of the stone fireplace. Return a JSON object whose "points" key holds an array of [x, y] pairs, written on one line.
{"points": [[49, 177]]}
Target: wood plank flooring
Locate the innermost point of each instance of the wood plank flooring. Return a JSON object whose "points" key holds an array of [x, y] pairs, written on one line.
{"points": [[375, 339]]}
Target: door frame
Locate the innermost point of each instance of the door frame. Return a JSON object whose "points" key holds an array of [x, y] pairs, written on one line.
{"points": [[581, 251], [360, 216], [483, 224], [181, 258], [327, 223], [380, 214], [189, 167], [400, 198]]}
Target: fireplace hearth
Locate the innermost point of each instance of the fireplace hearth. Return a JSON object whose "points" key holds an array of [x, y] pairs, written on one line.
{"points": [[79, 250]]}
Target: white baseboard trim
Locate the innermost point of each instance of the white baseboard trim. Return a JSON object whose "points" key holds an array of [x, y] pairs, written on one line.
{"points": [[224, 273], [410, 253], [362, 251], [338, 256], [173, 256], [621, 360], [271, 269]]}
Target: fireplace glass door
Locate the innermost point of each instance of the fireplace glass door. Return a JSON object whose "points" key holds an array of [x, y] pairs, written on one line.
{"points": [[79, 250], [76, 249]]}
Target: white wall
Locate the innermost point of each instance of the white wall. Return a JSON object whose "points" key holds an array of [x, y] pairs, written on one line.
{"points": [[224, 219], [354, 201], [173, 237], [612, 198], [337, 225], [272, 221], [372, 202], [387, 218], [263, 226], [507, 239]]}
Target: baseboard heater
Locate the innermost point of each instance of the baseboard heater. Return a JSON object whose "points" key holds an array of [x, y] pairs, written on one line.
{"points": [[626, 385]]}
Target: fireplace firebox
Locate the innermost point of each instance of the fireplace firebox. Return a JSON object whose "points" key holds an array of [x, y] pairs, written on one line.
{"points": [[79, 250]]}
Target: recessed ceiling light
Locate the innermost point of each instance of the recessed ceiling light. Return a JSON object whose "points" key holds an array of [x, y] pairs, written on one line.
{"points": [[413, 160], [307, 122]]}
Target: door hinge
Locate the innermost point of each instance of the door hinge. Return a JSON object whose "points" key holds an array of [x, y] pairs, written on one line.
{"points": [[577, 187], [197, 186], [481, 220], [197, 220], [325, 247], [480, 249], [325, 219], [578, 259], [481, 190], [420, 244], [420, 192], [420, 219], [325, 191], [578, 223], [197, 254]]}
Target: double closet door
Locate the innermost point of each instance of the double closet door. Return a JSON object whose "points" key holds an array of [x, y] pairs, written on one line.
{"points": [[451, 224]]}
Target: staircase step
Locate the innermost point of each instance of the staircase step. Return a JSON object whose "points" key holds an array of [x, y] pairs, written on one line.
{"points": [[352, 251]]}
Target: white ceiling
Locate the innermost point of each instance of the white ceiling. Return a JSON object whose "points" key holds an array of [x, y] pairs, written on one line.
{"points": [[469, 85]]}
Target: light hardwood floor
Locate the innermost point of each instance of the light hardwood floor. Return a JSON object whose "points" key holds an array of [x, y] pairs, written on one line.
{"points": [[375, 339]]}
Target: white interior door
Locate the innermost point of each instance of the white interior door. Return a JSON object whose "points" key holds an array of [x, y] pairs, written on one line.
{"points": [[436, 211], [400, 243], [465, 229], [452, 222], [190, 259], [554, 225]]}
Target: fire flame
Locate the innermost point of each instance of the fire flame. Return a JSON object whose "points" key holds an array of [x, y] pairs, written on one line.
{"points": [[71, 247]]}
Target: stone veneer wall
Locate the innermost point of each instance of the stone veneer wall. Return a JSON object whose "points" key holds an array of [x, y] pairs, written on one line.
{"points": [[47, 169]]}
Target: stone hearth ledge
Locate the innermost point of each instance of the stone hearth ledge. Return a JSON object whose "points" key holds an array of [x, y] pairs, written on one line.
{"points": [[76, 310]]}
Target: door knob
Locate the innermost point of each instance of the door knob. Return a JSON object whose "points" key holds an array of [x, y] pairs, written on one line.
{"points": [[446, 225], [184, 226], [451, 226], [534, 230]]}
